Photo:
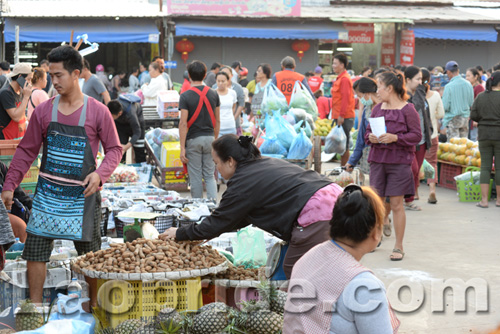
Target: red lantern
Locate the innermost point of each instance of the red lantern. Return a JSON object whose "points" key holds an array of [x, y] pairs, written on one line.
{"points": [[300, 46], [184, 47]]}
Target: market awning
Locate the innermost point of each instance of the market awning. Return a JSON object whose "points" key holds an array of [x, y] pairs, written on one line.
{"points": [[100, 31], [267, 30], [475, 32]]}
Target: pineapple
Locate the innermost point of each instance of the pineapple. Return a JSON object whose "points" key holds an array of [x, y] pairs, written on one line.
{"points": [[128, 326], [166, 316], [213, 306], [260, 321], [146, 329], [28, 318], [276, 298], [210, 322]]}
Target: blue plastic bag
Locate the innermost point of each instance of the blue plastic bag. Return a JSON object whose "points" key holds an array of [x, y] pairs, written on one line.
{"points": [[300, 126], [301, 146], [336, 141], [272, 145], [279, 127]]}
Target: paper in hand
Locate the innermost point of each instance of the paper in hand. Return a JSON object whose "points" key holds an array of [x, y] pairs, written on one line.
{"points": [[378, 125]]}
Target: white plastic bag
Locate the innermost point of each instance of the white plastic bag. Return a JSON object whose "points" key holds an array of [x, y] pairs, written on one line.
{"points": [[336, 140]]}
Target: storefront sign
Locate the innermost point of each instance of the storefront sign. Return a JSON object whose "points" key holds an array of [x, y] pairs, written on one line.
{"points": [[388, 44], [235, 7], [358, 33], [407, 47]]}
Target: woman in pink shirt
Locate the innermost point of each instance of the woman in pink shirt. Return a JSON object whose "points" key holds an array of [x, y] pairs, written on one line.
{"points": [[38, 95]]}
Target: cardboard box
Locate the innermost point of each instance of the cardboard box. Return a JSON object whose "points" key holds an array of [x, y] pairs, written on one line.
{"points": [[171, 154], [14, 284], [168, 104]]}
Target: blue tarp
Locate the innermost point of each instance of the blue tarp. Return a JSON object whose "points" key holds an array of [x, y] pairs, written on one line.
{"points": [[99, 31], [456, 32], [268, 30]]}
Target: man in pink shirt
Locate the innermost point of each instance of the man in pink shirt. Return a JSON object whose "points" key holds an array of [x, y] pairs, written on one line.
{"points": [[67, 203]]}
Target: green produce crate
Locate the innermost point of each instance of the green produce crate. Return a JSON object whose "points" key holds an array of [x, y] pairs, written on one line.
{"points": [[468, 191]]}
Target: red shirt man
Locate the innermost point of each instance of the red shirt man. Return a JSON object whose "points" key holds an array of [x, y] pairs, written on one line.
{"points": [[316, 81], [343, 100]]}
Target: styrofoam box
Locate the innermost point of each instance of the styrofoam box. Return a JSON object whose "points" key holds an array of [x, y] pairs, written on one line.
{"points": [[168, 104]]}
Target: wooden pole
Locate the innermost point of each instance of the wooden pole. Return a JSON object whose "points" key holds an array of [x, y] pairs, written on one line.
{"points": [[79, 44], [71, 38]]}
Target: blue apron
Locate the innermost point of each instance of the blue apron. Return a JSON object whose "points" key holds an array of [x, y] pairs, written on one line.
{"points": [[60, 210]]}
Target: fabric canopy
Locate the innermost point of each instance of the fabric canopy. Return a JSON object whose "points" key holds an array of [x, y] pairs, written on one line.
{"points": [[457, 32], [268, 30], [100, 31]]}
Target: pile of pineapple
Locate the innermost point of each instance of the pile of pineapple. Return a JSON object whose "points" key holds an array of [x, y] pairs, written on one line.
{"points": [[255, 317], [29, 317], [461, 151], [323, 127]]}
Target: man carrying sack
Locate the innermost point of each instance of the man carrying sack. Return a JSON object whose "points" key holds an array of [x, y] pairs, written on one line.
{"points": [[67, 203]]}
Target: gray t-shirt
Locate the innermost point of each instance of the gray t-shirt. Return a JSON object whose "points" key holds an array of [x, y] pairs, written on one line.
{"points": [[94, 87]]}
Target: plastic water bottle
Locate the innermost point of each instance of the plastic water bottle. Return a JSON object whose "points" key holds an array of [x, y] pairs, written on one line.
{"points": [[17, 246], [74, 288]]}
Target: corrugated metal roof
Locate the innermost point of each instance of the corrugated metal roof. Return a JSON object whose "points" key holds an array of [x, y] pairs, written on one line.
{"points": [[417, 14], [85, 8]]}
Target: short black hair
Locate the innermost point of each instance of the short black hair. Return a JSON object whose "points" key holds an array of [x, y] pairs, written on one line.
{"points": [[135, 69], [309, 74], [496, 67], [236, 64], [215, 66], [44, 61], [266, 68], [71, 59], [5, 65], [342, 58], [114, 107], [222, 73], [197, 70], [86, 64]]}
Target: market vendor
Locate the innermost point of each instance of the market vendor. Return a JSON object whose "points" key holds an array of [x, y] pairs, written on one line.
{"points": [[286, 78], [67, 203], [281, 198]]}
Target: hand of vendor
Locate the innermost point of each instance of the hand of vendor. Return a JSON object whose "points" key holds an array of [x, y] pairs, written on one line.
{"points": [[183, 157], [340, 120], [349, 168], [7, 199], [442, 131], [388, 138], [126, 147], [91, 184], [168, 234]]}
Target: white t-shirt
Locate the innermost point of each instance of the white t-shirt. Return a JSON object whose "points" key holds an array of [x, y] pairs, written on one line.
{"points": [[226, 109]]}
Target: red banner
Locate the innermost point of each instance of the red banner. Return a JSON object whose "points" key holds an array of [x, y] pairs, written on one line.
{"points": [[359, 33], [235, 7], [388, 45], [407, 47]]}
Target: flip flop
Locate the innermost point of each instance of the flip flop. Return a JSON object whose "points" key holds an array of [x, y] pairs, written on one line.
{"points": [[412, 207], [482, 206], [387, 229], [432, 199], [398, 251]]}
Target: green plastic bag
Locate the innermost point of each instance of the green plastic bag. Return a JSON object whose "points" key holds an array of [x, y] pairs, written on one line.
{"points": [[429, 172], [249, 248]]}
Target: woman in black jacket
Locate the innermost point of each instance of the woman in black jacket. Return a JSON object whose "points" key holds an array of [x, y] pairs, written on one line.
{"points": [[281, 198]]}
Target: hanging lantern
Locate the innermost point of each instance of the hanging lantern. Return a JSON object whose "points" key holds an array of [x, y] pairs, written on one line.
{"points": [[184, 47], [300, 46]]}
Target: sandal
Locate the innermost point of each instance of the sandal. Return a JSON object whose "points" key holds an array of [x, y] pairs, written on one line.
{"points": [[412, 207], [482, 206], [432, 199], [387, 229], [397, 251]]}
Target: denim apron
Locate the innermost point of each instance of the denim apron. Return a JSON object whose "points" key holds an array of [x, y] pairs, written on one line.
{"points": [[60, 210]]}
